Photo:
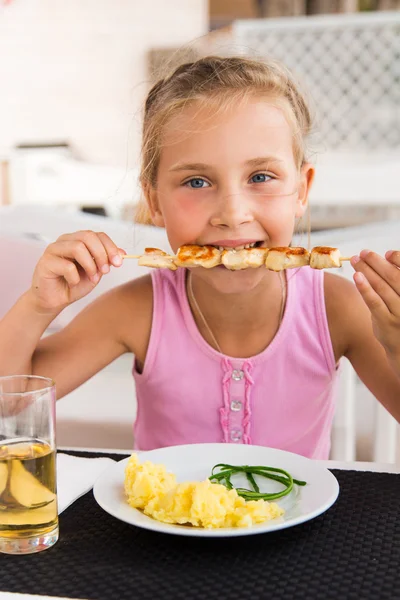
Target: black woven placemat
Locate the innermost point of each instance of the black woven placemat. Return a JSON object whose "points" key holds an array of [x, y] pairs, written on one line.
{"points": [[351, 551]]}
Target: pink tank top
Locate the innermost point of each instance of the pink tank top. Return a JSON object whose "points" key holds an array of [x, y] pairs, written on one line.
{"points": [[281, 398]]}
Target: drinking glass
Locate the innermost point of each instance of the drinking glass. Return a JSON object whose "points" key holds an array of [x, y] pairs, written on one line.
{"points": [[28, 495]]}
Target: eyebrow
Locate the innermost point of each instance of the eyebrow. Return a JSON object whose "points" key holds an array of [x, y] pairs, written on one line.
{"points": [[189, 167], [261, 160], [253, 162]]}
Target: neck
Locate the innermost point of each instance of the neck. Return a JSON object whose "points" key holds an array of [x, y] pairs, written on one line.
{"points": [[238, 324], [244, 310]]}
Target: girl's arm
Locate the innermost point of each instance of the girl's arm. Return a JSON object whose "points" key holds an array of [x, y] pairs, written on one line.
{"points": [[378, 281], [117, 322], [68, 270], [20, 331], [353, 336]]}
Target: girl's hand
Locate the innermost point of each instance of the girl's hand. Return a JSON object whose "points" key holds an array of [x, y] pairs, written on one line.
{"points": [[378, 281], [71, 267]]}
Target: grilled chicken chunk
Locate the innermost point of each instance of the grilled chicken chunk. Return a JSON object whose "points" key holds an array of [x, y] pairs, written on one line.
{"points": [[323, 257], [153, 257], [242, 259], [281, 258], [198, 256]]}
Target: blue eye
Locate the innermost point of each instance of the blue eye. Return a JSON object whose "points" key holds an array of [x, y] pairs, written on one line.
{"points": [[260, 178], [196, 183]]}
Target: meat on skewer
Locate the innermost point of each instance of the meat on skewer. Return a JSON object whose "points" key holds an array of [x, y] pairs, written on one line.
{"points": [[281, 258], [236, 260], [274, 259], [323, 257], [198, 256], [153, 257]]}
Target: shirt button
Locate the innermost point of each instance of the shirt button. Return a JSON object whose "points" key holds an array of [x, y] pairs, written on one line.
{"points": [[236, 405], [237, 374], [236, 435]]}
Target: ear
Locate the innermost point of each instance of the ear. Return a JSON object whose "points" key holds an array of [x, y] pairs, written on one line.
{"points": [[307, 173], [150, 193]]}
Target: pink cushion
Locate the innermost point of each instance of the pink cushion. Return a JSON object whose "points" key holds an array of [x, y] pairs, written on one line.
{"points": [[18, 258]]}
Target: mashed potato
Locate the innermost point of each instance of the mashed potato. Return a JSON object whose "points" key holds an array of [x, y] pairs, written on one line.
{"points": [[145, 482], [200, 503]]}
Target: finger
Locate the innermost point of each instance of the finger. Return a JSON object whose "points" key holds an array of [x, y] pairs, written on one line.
{"points": [[96, 248], [113, 252], [393, 256], [62, 267], [386, 269], [374, 302], [384, 290], [78, 252], [94, 245]]}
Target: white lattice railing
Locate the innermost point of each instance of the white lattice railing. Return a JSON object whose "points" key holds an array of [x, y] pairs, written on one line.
{"points": [[349, 63]]}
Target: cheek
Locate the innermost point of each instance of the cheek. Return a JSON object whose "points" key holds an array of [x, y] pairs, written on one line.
{"points": [[278, 219], [277, 211], [187, 204], [185, 217]]}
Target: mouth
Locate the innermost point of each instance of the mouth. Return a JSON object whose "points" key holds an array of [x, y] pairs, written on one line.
{"points": [[236, 246]]}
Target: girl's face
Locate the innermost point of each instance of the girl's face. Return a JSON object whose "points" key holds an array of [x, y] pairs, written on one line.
{"points": [[229, 179]]}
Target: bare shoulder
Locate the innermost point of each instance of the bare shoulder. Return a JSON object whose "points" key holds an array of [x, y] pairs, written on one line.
{"points": [[337, 288], [346, 312], [351, 329]]}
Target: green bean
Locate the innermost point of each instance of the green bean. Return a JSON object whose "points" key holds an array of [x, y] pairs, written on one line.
{"points": [[252, 481], [280, 475]]}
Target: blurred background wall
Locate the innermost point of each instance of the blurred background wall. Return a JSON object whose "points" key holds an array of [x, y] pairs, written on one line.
{"points": [[74, 76], [76, 70]]}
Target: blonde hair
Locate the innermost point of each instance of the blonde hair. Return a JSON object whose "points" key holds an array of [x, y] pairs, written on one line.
{"points": [[226, 80]]}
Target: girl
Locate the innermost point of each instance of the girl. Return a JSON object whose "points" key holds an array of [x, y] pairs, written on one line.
{"points": [[237, 356]]}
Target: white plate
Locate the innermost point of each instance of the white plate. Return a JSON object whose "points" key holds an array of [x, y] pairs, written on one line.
{"points": [[194, 462]]}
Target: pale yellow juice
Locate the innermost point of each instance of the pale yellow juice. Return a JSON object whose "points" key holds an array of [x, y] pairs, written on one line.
{"points": [[28, 502]]}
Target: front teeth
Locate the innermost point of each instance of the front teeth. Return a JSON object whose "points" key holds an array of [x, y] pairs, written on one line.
{"points": [[222, 248]]}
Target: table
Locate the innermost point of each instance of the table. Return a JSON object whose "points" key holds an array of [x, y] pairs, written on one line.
{"points": [[351, 551]]}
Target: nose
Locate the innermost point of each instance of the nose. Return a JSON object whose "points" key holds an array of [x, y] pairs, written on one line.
{"points": [[232, 210]]}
